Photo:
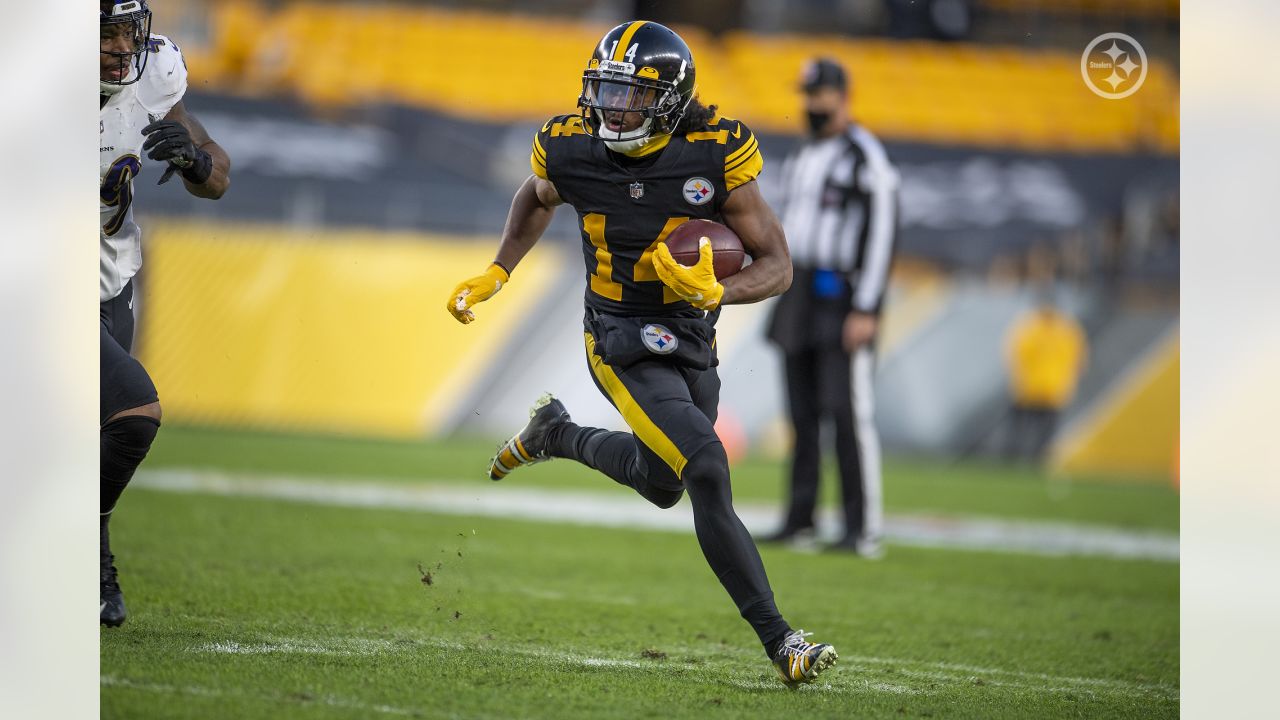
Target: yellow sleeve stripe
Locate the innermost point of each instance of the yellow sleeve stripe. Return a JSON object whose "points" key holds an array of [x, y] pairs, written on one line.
{"points": [[744, 171], [742, 155], [619, 53], [746, 149], [639, 421], [538, 159]]}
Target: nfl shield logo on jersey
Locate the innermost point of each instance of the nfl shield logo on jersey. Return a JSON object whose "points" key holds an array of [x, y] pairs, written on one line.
{"points": [[637, 190], [698, 191], [659, 339]]}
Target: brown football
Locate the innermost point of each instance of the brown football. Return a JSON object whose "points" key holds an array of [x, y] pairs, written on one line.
{"points": [[726, 247]]}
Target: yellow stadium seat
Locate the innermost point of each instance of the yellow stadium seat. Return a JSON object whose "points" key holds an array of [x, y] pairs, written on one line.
{"points": [[445, 59]]}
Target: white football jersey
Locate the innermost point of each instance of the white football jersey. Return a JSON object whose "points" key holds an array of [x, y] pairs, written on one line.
{"points": [[120, 158]]}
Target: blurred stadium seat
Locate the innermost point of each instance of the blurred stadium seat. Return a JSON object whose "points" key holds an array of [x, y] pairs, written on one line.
{"points": [[334, 55], [1109, 9]]}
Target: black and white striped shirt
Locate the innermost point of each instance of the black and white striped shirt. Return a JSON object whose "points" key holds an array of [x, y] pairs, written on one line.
{"points": [[839, 209]]}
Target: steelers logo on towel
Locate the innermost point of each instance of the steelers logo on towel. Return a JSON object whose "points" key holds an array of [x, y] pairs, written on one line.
{"points": [[698, 191], [659, 339]]}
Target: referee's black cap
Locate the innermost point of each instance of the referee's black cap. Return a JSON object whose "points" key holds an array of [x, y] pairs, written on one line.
{"points": [[824, 72]]}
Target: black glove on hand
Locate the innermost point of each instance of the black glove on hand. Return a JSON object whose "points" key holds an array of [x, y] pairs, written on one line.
{"points": [[170, 141]]}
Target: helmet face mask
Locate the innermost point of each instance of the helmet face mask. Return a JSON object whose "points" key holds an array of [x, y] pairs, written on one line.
{"points": [[624, 108], [131, 21], [639, 90]]}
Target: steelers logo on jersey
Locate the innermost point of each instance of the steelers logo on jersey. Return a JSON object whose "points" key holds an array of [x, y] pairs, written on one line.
{"points": [[698, 191]]}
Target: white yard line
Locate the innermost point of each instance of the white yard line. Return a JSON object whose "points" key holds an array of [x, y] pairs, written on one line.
{"points": [[850, 678], [618, 510]]}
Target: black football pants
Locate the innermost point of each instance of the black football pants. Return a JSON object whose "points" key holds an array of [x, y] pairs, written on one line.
{"points": [[673, 447]]}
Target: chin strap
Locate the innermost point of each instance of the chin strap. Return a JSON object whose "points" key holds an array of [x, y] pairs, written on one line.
{"points": [[639, 147]]}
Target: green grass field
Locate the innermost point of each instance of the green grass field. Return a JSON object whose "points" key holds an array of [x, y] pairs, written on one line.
{"points": [[243, 607]]}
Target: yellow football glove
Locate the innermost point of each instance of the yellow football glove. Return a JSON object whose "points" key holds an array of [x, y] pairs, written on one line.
{"points": [[697, 285], [474, 291]]}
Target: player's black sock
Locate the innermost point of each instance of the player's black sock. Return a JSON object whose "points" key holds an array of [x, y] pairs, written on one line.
{"points": [[125, 442], [728, 546], [612, 453]]}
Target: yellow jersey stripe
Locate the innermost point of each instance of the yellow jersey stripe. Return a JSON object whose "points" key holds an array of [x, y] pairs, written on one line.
{"points": [[635, 416], [627, 34], [746, 148]]}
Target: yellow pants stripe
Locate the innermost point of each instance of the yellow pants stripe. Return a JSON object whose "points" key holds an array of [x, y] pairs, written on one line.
{"points": [[635, 416]]}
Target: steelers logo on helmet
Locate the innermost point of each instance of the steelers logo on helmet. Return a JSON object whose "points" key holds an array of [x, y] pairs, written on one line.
{"points": [[125, 31], [637, 85]]}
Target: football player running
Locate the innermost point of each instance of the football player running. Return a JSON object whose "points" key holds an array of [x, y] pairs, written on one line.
{"points": [[641, 157], [142, 78]]}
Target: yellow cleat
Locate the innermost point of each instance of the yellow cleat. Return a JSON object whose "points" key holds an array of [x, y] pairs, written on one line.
{"points": [[799, 662]]}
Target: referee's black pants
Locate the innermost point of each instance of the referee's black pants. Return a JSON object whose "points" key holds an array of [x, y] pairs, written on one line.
{"points": [[826, 383]]}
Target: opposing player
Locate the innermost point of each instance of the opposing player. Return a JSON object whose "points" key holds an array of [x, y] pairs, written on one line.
{"points": [[142, 79], [642, 157]]}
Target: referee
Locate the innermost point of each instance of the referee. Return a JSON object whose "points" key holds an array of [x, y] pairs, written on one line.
{"points": [[839, 209]]}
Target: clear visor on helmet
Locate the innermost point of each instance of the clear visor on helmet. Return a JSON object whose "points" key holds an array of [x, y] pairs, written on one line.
{"points": [[620, 95], [624, 107]]}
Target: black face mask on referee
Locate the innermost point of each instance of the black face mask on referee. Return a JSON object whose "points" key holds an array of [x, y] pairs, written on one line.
{"points": [[826, 99], [818, 121]]}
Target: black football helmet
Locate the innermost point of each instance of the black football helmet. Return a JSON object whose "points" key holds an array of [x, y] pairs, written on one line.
{"points": [[136, 17], [638, 67]]}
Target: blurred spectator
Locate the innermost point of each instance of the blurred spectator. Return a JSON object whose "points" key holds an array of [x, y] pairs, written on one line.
{"points": [[1047, 351]]}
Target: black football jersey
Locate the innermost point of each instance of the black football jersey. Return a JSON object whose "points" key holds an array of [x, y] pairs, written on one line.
{"points": [[625, 210]]}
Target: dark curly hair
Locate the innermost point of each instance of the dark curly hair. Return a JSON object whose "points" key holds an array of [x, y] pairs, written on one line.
{"points": [[696, 116]]}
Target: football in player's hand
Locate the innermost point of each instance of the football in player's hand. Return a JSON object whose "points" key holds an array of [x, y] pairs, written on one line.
{"points": [[725, 246]]}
